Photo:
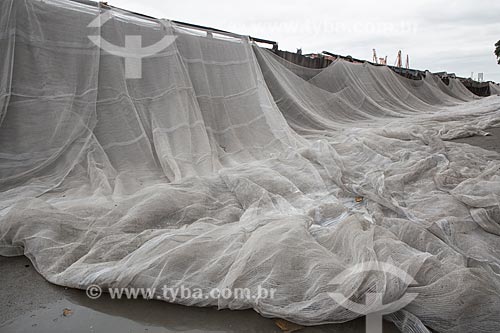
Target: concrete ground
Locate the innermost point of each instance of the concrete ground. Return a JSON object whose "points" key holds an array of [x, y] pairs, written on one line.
{"points": [[491, 142], [28, 303]]}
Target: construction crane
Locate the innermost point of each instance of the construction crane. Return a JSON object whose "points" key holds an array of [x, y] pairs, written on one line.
{"points": [[399, 62], [379, 61], [375, 59]]}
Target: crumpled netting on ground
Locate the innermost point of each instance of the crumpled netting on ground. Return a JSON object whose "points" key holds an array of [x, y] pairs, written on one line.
{"points": [[192, 176]]}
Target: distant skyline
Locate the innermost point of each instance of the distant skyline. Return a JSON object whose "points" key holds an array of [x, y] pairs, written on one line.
{"points": [[453, 36]]}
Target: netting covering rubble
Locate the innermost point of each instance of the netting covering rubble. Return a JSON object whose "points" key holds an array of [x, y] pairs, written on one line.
{"points": [[226, 167]]}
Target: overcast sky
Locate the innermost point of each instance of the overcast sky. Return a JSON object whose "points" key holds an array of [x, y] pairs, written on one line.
{"points": [[439, 35]]}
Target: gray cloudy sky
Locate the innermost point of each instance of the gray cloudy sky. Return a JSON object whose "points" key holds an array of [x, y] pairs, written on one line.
{"points": [[439, 35]]}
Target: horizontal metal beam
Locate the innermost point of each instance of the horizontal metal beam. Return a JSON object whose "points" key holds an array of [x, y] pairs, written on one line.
{"points": [[105, 5], [200, 27]]}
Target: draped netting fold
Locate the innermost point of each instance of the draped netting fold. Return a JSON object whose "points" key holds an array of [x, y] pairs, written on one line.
{"points": [[226, 167], [494, 89]]}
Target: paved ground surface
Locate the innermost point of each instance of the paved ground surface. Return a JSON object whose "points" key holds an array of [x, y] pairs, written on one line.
{"points": [[491, 142], [28, 303]]}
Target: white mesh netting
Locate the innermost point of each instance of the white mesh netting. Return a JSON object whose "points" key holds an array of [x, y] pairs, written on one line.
{"points": [[494, 89], [222, 168]]}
